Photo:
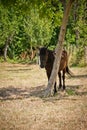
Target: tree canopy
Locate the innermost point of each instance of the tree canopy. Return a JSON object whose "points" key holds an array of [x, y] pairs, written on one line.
{"points": [[37, 23]]}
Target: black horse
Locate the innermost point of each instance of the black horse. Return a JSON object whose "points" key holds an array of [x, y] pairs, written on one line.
{"points": [[46, 61]]}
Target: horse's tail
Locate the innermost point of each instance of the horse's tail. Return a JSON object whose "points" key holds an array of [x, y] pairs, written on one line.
{"points": [[68, 71]]}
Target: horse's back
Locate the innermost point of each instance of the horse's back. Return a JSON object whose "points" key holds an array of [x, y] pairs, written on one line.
{"points": [[50, 61], [64, 60]]}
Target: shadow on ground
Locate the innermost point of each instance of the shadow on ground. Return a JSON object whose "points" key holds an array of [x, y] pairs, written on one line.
{"points": [[12, 93], [80, 76], [19, 70]]}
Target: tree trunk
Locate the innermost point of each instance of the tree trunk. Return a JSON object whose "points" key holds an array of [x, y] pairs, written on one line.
{"points": [[5, 51], [9, 39], [85, 55], [58, 51]]}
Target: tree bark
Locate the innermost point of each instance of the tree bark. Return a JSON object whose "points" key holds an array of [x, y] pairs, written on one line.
{"points": [[9, 39], [58, 51]]}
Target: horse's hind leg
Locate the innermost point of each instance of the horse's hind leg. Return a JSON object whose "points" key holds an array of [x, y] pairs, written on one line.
{"points": [[64, 79], [60, 83]]}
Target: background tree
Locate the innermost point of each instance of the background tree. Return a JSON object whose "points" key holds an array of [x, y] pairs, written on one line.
{"points": [[37, 23]]}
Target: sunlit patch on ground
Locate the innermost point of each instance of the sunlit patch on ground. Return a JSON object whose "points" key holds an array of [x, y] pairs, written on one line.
{"points": [[22, 105]]}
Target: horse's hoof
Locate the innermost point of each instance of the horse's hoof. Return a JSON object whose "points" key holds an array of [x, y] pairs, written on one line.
{"points": [[63, 89], [59, 88]]}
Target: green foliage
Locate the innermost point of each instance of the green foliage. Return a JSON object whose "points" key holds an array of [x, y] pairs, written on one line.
{"points": [[37, 23], [70, 92], [31, 29], [76, 34]]}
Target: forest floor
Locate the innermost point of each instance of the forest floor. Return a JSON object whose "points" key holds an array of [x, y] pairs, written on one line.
{"points": [[23, 107]]}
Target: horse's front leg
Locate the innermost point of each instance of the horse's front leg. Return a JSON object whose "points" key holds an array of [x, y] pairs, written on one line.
{"points": [[63, 79], [60, 83]]}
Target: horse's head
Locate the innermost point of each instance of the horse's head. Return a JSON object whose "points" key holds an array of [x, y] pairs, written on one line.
{"points": [[43, 53]]}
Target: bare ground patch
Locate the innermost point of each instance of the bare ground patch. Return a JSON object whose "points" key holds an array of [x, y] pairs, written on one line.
{"points": [[22, 105]]}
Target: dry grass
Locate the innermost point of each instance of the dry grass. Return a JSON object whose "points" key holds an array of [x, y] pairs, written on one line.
{"points": [[22, 106]]}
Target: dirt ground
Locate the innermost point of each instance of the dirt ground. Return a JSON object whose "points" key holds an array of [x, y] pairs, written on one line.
{"points": [[23, 107]]}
